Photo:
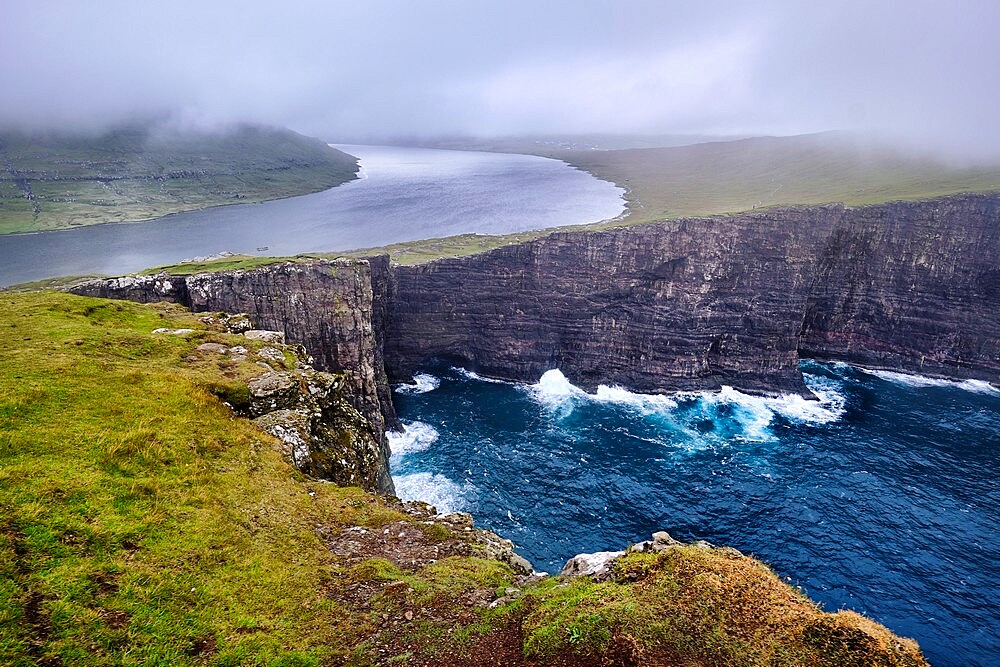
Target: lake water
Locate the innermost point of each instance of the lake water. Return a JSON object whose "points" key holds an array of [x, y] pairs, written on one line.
{"points": [[403, 194], [883, 497]]}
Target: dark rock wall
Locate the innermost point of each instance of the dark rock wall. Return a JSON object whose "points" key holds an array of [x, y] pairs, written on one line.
{"points": [[686, 304], [683, 304], [911, 286]]}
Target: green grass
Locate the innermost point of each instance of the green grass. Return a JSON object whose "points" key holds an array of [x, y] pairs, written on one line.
{"points": [[137, 173], [703, 607], [734, 176], [141, 523]]}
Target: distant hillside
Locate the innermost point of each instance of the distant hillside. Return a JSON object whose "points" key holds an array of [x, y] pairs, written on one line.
{"points": [[731, 176], [56, 181]]}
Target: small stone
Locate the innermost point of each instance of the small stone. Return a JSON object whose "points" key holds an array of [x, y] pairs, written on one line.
{"points": [[265, 336], [173, 332], [271, 354], [596, 565], [408, 615], [217, 348], [663, 541]]}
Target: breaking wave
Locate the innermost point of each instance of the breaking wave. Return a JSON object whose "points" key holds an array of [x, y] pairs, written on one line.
{"points": [[688, 411], [921, 381], [416, 437], [422, 383], [432, 488]]}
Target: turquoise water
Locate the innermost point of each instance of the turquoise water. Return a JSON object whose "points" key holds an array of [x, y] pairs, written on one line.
{"points": [[882, 497]]}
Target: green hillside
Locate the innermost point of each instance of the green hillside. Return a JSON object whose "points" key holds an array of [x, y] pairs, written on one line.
{"points": [[58, 181], [732, 176]]}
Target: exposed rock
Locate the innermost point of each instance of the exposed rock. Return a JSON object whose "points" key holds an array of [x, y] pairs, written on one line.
{"points": [[661, 542], [596, 565], [322, 434], [271, 354], [264, 335], [213, 348]]}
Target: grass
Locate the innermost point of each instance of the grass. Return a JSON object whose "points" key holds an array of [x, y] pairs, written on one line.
{"points": [[704, 607], [138, 173], [734, 176], [141, 523]]}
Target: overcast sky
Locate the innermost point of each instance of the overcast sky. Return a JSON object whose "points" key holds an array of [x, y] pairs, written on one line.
{"points": [[927, 71]]}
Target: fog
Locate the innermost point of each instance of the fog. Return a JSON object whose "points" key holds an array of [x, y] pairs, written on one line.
{"points": [[926, 73]]}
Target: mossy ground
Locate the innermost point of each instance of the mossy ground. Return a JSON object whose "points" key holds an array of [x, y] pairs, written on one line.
{"points": [[142, 523]]}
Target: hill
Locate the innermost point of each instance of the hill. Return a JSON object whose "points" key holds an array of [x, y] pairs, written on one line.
{"points": [[57, 181], [740, 175]]}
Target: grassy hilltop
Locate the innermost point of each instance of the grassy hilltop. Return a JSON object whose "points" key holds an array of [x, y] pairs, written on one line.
{"points": [[142, 523], [57, 181]]}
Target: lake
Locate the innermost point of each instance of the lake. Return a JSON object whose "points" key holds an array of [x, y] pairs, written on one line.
{"points": [[403, 194]]}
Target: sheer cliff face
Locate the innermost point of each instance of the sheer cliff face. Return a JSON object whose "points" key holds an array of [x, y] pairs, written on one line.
{"points": [[911, 286], [687, 304]]}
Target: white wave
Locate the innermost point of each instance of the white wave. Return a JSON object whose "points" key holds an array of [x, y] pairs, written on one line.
{"points": [[422, 383], [920, 381], [555, 392], [437, 490], [416, 437], [752, 413], [644, 403], [829, 408], [470, 375]]}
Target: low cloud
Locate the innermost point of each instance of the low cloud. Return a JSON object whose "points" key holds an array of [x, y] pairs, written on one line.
{"points": [[923, 72]]}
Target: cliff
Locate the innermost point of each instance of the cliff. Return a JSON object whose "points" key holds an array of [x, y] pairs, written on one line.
{"points": [[183, 536], [735, 300], [326, 306], [677, 305], [911, 286]]}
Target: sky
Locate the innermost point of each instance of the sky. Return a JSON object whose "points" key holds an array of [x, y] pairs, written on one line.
{"points": [[927, 73]]}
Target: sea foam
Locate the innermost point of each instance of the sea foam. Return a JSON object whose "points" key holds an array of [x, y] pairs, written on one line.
{"points": [[752, 415], [416, 437], [470, 375], [921, 381], [422, 383], [432, 488]]}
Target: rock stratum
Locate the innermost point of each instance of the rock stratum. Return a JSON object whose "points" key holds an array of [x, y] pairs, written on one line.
{"points": [[688, 304]]}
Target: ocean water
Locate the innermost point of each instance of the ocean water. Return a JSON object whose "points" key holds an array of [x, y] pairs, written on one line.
{"points": [[882, 497], [403, 194]]}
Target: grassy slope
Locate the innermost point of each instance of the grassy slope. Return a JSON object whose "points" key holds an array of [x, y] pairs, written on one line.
{"points": [[733, 176], [133, 174], [140, 523]]}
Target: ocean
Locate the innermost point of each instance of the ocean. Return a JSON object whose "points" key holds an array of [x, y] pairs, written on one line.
{"points": [[881, 497]]}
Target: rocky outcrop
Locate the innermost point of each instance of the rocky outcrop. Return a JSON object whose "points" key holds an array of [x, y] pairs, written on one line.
{"points": [[308, 411], [326, 306], [321, 433]]}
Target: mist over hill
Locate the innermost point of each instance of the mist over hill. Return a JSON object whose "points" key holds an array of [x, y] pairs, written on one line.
{"points": [[57, 180]]}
